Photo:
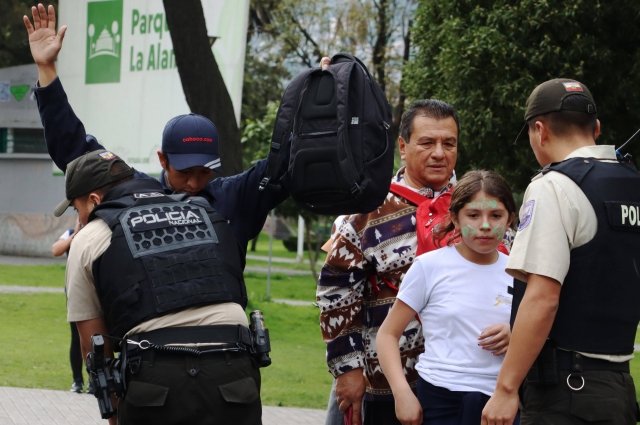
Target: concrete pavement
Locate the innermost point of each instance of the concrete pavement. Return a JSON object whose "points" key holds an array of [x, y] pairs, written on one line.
{"points": [[26, 406]]}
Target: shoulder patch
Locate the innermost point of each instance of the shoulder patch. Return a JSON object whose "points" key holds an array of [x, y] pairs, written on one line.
{"points": [[526, 214]]}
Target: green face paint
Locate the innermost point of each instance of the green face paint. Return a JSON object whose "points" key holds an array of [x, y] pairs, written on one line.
{"points": [[468, 231], [499, 231], [483, 204]]}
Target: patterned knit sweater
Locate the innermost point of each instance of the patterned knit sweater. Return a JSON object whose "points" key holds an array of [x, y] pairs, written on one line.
{"points": [[369, 256]]}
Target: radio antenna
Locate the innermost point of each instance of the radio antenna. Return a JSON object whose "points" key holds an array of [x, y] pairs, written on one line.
{"points": [[625, 143]]}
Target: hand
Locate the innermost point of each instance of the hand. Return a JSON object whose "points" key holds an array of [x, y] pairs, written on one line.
{"points": [[325, 62], [350, 388], [45, 44], [408, 408], [501, 409], [495, 338]]}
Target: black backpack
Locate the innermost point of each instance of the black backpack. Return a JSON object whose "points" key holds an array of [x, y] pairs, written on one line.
{"points": [[331, 148]]}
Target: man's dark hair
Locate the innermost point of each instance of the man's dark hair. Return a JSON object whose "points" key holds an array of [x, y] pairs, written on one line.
{"points": [[431, 108], [104, 189]]}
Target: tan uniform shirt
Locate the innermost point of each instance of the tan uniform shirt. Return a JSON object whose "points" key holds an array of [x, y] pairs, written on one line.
{"points": [[555, 218], [82, 299]]}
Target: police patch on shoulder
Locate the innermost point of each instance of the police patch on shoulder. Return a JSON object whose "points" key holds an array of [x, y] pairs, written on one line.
{"points": [[527, 214], [107, 155]]}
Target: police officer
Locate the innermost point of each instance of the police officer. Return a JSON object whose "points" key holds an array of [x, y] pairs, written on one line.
{"points": [[189, 153], [577, 250], [161, 279]]}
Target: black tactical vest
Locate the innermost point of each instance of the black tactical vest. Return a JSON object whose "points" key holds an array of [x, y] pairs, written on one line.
{"points": [[167, 253], [600, 298]]}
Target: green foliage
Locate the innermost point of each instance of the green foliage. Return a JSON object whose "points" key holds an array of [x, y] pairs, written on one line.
{"points": [[256, 135], [486, 57]]}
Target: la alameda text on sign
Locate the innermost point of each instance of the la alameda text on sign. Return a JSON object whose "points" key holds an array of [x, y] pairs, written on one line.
{"points": [[156, 56]]}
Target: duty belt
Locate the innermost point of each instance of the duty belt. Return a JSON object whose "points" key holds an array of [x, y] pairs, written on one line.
{"points": [[576, 362], [226, 335]]}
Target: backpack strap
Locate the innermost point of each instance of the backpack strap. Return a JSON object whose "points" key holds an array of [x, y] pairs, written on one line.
{"points": [[382, 102], [408, 194], [341, 70], [343, 65], [279, 151]]}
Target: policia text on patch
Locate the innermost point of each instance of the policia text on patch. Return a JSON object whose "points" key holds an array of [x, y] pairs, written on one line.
{"points": [[629, 215]]}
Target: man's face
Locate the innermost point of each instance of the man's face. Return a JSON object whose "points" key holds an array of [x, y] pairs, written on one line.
{"points": [[190, 180], [431, 153]]}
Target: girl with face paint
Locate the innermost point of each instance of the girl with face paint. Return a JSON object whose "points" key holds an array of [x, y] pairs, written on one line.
{"points": [[460, 293]]}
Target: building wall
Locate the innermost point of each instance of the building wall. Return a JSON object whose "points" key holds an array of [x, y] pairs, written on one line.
{"points": [[28, 194]]}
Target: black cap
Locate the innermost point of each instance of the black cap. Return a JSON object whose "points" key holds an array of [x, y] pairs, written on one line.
{"points": [[89, 172], [559, 94]]}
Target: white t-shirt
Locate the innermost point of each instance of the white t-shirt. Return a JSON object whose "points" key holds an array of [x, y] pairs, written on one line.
{"points": [[456, 300]]}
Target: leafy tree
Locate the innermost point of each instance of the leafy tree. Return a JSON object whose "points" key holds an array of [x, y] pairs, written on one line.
{"points": [[297, 34], [485, 57], [262, 88], [301, 32]]}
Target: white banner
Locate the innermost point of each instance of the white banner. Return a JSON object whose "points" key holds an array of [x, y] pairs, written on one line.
{"points": [[118, 69]]}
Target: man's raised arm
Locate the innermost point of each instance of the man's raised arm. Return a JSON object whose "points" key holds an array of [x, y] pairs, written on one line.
{"points": [[64, 133]]}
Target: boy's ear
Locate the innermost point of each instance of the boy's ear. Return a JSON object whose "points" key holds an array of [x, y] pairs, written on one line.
{"points": [[95, 198], [163, 160]]}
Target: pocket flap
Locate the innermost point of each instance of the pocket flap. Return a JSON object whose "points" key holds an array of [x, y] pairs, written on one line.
{"points": [[144, 394], [242, 391]]}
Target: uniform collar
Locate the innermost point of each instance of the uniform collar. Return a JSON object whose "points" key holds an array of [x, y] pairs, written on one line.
{"points": [[602, 152]]}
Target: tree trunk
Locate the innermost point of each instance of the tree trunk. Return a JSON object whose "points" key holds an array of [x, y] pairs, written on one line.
{"points": [[402, 96], [382, 39], [202, 82]]}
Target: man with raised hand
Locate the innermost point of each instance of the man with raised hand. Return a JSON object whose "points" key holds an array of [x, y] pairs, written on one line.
{"points": [[189, 155]]}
